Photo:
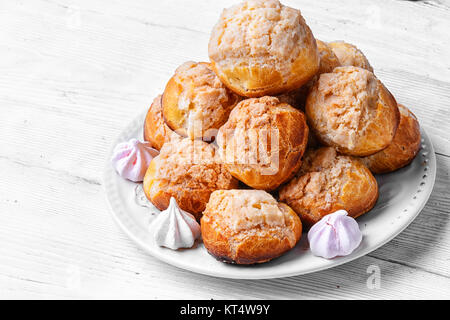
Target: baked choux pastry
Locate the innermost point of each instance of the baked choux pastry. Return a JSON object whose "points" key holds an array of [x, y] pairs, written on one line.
{"points": [[195, 102], [156, 130], [402, 149], [263, 141], [188, 170], [328, 59], [261, 47], [327, 182], [351, 110], [248, 226], [350, 55]]}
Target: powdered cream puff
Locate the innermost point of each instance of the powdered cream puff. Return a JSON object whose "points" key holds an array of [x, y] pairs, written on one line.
{"points": [[350, 109], [328, 58], [188, 170], [263, 141], [262, 47], [195, 102], [402, 150], [156, 130], [327, 182], [350, 55], [248, 226]]}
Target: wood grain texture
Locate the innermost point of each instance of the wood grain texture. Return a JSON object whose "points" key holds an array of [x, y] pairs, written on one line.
{"points": [[72, 76]]}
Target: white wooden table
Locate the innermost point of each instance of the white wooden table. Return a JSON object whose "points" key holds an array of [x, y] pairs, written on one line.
{"points": [[74, 73]]}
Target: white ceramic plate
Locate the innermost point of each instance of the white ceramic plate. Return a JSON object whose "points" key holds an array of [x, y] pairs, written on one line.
{"points": [[403, 194]]}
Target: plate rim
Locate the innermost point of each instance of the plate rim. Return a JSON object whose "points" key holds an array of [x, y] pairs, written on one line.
{"points": [[107, 181]]}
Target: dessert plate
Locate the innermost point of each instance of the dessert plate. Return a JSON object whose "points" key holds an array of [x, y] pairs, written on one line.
{"points": [[403, 194]]}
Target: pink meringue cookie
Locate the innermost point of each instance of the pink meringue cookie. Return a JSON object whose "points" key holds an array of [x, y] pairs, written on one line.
{"points": [[334, 235], [131, 159]]}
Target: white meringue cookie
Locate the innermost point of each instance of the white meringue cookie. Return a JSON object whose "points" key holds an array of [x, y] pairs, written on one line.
{"points": [[175, 228], [334, 235], [131, 159]]}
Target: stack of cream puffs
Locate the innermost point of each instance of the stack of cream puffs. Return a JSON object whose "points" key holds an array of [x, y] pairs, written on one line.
{"points": [[275, 132]]}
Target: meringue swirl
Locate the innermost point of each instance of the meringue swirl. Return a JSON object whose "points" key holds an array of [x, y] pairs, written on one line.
{"points": [[131, 159], [175, 228], [334, 235]]}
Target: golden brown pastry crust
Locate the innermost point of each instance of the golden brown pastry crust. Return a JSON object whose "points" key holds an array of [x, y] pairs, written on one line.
{"points": [[402, 150], [189, 171], [261, 47], [351, 110], [328, 59], [350, 55], [248, 226], [195, 102], [156, 130], [263, 141], [327, 182]]}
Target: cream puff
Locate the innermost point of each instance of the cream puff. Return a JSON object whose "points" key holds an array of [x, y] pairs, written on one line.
{"points": [[262, 47], [328, 181], [188, 170], [195, 102], [328, 58], [402, 150], [351, 110], [263, 141], [156, 130], [350, 55], [248, 226]]}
